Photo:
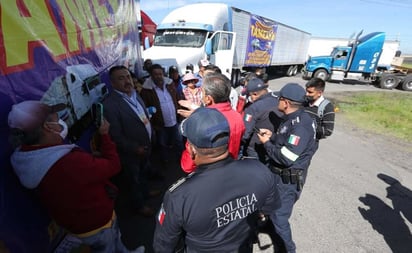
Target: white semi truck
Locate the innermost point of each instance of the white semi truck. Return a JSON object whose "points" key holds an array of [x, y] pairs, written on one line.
{"points": [[233, 39]]}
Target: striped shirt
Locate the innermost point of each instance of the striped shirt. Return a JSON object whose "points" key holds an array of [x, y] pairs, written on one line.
{"points": [[193, 95]]}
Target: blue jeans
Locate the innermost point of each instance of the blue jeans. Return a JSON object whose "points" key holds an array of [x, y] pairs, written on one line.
{"points": [[280, 217], [106, 241]]}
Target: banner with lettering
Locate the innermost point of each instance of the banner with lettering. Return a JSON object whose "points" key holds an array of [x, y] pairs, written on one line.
{"points": [[56, 51], [261, 41]]}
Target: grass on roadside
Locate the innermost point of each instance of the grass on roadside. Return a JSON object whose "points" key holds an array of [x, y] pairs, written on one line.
{"points": [[383, 112]]}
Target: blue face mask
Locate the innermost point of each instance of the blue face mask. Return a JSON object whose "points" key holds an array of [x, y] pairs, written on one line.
{"points": [[65, 129]]}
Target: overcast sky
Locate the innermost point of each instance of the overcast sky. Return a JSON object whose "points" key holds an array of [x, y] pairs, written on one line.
{"points": [[321, 18]]}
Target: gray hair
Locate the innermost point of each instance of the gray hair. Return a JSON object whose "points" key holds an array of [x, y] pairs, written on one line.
{"points": [[217, 86]]}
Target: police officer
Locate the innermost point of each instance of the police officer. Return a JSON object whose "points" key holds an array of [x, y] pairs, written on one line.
{"points": [[262, 113], [209, 207], [291, 150]]}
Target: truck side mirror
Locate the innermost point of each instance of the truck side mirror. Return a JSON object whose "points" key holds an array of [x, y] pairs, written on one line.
{"points": [[208, 47]]}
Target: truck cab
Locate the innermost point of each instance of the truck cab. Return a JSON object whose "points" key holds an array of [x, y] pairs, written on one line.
{"points": [[191, 33], [356, 61]]}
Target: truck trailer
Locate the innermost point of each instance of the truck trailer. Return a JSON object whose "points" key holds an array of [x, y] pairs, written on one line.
{"points": [[398, 76], [231, 38]]}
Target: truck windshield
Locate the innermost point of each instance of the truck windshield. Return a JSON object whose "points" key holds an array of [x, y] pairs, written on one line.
{"points": [[339, 53], [180, 38], [334, 52]]}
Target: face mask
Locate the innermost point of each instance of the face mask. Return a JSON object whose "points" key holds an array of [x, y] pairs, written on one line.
{"points": [[310, 99], [65, 130]]}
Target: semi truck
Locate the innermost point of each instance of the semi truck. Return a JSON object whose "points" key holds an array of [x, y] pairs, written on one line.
{"points": [[358, 60], [233, 39], [325, 45], [56, 52]]}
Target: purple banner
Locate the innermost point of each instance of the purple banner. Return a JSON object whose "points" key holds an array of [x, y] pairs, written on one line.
{"points": [[261, 41]]}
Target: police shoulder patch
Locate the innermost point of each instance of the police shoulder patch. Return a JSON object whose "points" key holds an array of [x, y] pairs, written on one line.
{"points": [[296, 120], [294, 139], [179, 182], [248, 117], [283, 129]]}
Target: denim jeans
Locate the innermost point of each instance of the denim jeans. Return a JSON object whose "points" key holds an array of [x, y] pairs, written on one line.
{"points": [[106, 241]]}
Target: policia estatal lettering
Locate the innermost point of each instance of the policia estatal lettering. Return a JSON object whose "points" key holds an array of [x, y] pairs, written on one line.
{"points": [[290, 151], [208, 210]]}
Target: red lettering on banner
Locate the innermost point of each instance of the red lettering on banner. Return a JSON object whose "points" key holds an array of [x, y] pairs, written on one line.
{"points": [[24, 12]]}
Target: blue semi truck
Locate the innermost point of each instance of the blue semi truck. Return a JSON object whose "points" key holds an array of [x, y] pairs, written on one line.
{"points": [[358, 61]]}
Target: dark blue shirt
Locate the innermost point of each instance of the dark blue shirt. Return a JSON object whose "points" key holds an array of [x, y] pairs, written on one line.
{"points": [[210, 207], [294, 143], [262, 113]]}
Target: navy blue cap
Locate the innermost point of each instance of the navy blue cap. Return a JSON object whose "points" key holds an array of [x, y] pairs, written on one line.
{"points": [[206, 128], [293, 92], [255, 84]]}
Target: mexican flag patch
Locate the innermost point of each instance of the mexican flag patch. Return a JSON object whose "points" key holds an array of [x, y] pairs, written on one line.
{"points": [[294, 139], [248, 117], [162, 215]]}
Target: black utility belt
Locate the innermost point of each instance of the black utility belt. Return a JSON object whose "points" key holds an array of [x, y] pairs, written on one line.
{"points": [[289, 176]]}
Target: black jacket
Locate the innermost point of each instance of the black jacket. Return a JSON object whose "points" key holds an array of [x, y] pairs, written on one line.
{"points": [[210, 206], [294, 143], [262, 113]]}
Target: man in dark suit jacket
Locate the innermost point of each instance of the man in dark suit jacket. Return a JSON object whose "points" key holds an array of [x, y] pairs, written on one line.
{"points": [[132, 132]]}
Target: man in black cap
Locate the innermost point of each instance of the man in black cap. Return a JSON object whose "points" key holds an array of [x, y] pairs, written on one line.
{"points": [[209, 207], [262, 113], [291, 150]]}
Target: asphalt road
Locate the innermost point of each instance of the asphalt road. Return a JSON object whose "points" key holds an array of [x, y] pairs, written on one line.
{"points": [[358, 194]]}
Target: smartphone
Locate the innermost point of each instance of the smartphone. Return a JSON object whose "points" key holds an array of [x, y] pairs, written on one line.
{"points": [[97, 114]]}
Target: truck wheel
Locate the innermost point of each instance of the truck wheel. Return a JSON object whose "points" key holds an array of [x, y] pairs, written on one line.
{"points": [[235, 77], [407, 83], [389, 82], [322, 74], [295, 70], [289, 72]]}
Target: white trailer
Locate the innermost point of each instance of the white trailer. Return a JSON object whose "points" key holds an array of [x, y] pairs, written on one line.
{"points": [[228, 37]]}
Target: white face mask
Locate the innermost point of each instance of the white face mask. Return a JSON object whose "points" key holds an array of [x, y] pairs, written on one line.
{"points": [[65, 130]]}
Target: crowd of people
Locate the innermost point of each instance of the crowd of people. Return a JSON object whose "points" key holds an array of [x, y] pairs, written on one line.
{"points": [[245, 153]]}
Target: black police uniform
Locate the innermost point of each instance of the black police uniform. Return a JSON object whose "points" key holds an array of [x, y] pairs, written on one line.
{"points": [[291, 150], [262, 113], [209, 207]]}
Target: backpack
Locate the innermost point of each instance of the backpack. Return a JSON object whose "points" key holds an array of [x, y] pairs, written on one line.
{"points": [[321, 107]]}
